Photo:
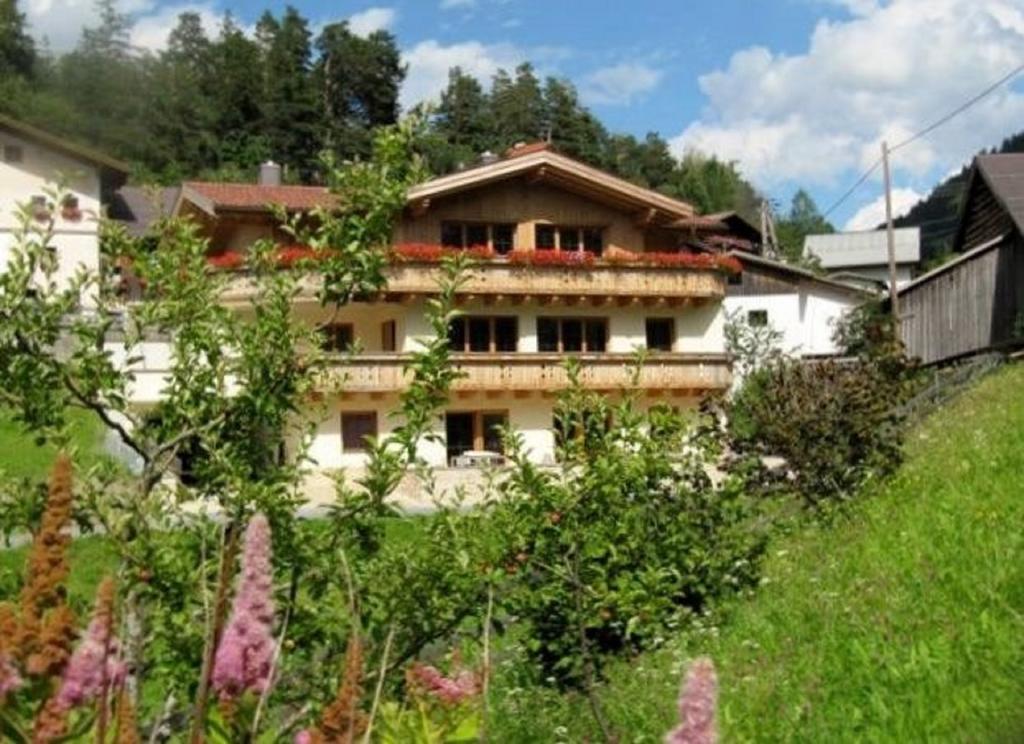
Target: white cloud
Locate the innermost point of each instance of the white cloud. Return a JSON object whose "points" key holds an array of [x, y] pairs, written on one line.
{"points": [[619, 85], [60, 22], [429, 62], [871, 215], [151, 31], [818, 117], [453, 4], [373, 19]]}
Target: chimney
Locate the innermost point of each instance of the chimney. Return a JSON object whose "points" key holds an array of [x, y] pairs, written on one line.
{"points": [[270, 174]]}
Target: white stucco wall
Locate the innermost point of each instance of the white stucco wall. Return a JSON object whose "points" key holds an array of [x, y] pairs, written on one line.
{"points": [[806, 319], [76, 242], [698, 329]]}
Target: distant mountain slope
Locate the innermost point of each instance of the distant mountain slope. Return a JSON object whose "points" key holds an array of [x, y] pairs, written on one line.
{"points": [[936, 215]]}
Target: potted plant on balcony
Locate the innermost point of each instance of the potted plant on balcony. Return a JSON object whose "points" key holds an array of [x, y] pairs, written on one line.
{"points": [[40, 208], [69, 209]]}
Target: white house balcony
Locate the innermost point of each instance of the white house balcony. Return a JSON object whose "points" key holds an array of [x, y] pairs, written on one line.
{"points": [[672, 279], [544, 373]]}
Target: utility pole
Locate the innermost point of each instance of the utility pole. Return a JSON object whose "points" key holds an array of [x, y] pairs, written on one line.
{"points": [[764, 229], [891, 239]]}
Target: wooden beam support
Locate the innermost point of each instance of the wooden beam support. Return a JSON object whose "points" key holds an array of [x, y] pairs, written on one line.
{"points": [[645, 217], [420, 207], [537, 176]]}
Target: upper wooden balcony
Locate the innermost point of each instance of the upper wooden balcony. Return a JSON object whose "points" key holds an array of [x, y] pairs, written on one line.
{"points": [[538, 372], [672, 279]]}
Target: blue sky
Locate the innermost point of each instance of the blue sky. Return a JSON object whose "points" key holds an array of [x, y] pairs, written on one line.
{"points": [[798, 92]]}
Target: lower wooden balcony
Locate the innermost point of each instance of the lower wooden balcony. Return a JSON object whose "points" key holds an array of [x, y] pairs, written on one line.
{"points": [[544, 373]]}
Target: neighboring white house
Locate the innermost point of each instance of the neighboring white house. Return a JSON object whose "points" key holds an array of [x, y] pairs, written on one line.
{"points": [[864, 256], [33, 161], [801, 305]]}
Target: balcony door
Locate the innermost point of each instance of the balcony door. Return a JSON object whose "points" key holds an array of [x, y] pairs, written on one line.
{"points": [[474, 430]]}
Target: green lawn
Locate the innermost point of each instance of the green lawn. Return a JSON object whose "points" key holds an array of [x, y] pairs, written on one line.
{"points": [[21, 456], [902, 623]]}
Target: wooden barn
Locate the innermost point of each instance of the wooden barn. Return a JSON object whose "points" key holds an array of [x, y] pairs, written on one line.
{"points": [[974, 303]]}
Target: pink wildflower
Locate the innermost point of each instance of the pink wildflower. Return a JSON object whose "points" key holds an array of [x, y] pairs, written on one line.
{"points": [[94, 665], [247, 646], [453, 690], [10, 679], [697, 701], [304, 737]]}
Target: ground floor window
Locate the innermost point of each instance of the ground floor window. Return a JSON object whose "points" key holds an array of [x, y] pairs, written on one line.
{"points": [[356, 428], [661, 334], [478, 431]]}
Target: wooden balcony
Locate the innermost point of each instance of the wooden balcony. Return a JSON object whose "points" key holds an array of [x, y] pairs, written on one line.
{"points": [[496, 281], [526, 372], [598, 282]]}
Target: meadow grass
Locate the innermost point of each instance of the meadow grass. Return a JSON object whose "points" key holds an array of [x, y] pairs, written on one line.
{"points": [[903, 621], [22, 457]]}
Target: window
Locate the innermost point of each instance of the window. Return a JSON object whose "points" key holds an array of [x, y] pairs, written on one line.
{"points": [[467, 431], [483, 334], [336, 337], [356, 427], [506, 334], [13, 154], [572, 334], [501, 238], [569, 238], [388, 336], [476, 235], [545, 237], [661, 334], [451, 235], [757, 318]]}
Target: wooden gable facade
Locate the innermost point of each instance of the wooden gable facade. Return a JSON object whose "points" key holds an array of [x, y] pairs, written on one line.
{"points": [[974, 303]]}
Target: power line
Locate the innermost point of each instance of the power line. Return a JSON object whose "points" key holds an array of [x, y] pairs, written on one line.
{"points": [[849, 192], [959, 109], [921, 133]]}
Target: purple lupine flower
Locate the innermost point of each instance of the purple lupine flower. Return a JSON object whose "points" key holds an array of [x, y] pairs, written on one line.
{"points": [[10, 679], [697, 701], [246, 649], [94, 664]]}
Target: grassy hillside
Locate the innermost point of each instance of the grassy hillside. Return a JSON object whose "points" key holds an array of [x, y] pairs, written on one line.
{"points": [[902, 623], [21, 457]]}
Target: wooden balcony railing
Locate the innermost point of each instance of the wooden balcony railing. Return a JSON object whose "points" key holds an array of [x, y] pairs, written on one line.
{"points": [[494, 280], [541, 372]]}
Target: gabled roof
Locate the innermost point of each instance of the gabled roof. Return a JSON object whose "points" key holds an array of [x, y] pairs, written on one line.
{"points": [[112, 166], [539, 161], [1004, 176], [800, 274], [138, 207], [214, 197], [536, 160], [868, 248]]}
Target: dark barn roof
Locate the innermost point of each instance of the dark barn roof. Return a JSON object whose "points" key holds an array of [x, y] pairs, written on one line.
{"points": [[1003, 176]]}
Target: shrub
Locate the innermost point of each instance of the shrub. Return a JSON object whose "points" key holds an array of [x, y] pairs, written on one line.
{"points": [[624, 541], [836, 423]]}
